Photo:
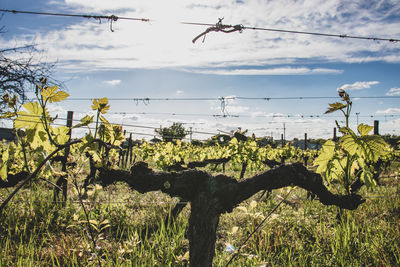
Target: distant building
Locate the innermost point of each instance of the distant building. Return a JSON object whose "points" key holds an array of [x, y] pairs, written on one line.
{"points": [[7, 134]]}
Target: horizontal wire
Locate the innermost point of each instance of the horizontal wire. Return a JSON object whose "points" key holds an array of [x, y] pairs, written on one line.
{"points": [[323, 34], [156, 128], [149, 127], [322, 116], [146, 134], [246, 115], [226, 98], [114, 18], [92, 128]]}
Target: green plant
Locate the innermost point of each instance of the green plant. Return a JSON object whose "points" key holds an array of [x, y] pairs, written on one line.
{"points": [[175, 132], [354, 155]]}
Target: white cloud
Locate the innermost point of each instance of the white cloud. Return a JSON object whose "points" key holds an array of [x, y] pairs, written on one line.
{"points": [[271, 71], [388, 111], [164, 42], [112, 82], [267, 115], [179, 92], [236, 109], [358, 85], [393, 92]]}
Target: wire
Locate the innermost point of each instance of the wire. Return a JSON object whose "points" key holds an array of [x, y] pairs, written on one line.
{"points": [[148, 99], [296, 32], [226, 98], [308, 97], [325, 34], [247, 115], [302, 116], [218, 25], [112, 17], [195, 132]]}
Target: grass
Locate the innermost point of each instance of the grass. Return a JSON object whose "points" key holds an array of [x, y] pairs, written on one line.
{"points": [[129, 230]]}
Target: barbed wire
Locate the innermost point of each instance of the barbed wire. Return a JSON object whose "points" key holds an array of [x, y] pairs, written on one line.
{"points": [[145, 127], [248, 115], [97, 17], [166, 136], [151, 127], [147, 99], [212, 27], [299, 116]]}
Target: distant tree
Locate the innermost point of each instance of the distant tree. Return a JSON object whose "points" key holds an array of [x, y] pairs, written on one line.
{"points": [[319, 141], [173, 133], [393, 140], [20, 69]]}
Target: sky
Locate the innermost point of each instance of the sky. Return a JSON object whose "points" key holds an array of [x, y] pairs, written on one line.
{"points": [[156, 59]]}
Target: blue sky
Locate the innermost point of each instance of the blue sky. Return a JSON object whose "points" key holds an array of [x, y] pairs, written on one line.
{"points": [[157, 59]]}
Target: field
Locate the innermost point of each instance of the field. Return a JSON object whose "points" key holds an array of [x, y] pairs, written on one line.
{"points": [[129, 229], [245, 201]]}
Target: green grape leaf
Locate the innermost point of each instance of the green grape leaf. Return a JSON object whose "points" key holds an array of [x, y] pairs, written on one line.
{"points": [[117, 136], [370, 147], [104, 120], [7, 115], [38, 139], [61, 134], [51, 94], [30, 119], [85, 121], [101, 105], [6, 154], [326, 155], [373, 146], [364, 129], [367, 178], [349, 144], [335, 106], [3, 171], [4, 158]]}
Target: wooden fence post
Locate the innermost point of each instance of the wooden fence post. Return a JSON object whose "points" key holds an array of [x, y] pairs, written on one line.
{"points": [[70, 116], [305, 141], [334, 134], [376, 127], [130, 149], [305, 148]]}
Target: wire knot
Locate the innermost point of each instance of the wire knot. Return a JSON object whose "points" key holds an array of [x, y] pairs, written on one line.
{"points": [[112, 18], [219, 27]]}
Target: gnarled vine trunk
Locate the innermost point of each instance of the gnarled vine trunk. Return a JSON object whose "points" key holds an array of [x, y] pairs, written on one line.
{"points": [[212, 196], [203, 223]]}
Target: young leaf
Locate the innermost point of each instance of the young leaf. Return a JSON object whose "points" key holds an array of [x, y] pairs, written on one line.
{"points": [[101, 105], [3, 171], [7, 115], [350, 141], [85, 121], [104, 120], [30, 119], [51, 94], [334, 107], [61, 134], [364, 129], [326, 155]]}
